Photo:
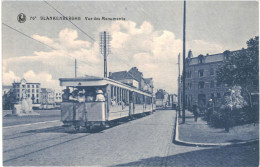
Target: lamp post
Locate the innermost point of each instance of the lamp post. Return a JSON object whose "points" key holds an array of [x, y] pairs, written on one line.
{"points": [[183, 71]]}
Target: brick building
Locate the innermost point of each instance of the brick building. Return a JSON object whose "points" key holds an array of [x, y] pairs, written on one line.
{"points": [[200, 82]]}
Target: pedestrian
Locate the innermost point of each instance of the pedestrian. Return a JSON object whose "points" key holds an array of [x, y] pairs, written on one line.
{"points": [[195, 111], [226, 108], [210, 107]]}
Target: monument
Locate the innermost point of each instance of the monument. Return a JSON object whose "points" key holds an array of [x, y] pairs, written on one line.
{"points": [[24, 107]]}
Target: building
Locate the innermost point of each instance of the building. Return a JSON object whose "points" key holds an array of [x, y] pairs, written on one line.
{"points": [[134, 78], [200, 81], [58, 96], [162, 98], [47, 98], [32, 90], [125, 77]]}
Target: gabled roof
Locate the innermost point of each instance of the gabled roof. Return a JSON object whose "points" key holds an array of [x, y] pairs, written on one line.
{"points": [[121, 75]]}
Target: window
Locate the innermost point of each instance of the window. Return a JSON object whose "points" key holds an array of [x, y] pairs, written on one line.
{"points": [[212, 84], [201, 73], [23, 86], [28, 86], [37, 95], [188, 74], [211, 71], [32, 86], [37, 90], [201, 85], [28, 95], [37, 86], [33, 90], [28, 90]]}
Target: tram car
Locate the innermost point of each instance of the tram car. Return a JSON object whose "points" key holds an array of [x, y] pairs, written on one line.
{"points": [[95, 102]]}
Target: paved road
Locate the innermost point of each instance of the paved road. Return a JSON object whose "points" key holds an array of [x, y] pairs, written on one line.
{"points": [[145, 141], [45, 115]]}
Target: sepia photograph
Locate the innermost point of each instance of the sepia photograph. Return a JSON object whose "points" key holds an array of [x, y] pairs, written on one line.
{"points": [[130, 83]]}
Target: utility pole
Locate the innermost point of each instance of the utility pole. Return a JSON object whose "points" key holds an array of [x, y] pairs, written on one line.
{"points": [[75, 68], [179, 86], [183, 70], [105, 39]]}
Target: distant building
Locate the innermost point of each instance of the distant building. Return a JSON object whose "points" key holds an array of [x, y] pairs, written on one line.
{"points": [[162, 98], [200, 81], [32, 90], [125, 77], [58, 96], [134, 78], [47, 98]]}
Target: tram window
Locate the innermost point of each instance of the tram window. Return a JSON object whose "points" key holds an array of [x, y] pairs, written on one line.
{"points": [[112, 88]]}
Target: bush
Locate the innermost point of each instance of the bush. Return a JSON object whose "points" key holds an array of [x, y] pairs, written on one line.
{"points": [[240, 116]]}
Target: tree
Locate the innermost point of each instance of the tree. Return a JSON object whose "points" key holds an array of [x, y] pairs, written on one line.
{"points": [[242, 69]]}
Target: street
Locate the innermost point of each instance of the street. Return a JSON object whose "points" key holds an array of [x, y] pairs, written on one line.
{"points": [[145, 141]]}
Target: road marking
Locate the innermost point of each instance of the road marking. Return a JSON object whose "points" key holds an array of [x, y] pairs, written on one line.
{"points": [[30, 124]]}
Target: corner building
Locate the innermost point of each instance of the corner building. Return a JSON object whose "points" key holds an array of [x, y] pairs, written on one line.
{"points": [[201, 78]]}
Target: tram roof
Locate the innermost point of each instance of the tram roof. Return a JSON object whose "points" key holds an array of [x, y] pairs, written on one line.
{"points": [[96, 81]]}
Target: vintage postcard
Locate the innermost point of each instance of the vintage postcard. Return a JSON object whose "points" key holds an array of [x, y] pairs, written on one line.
{"points": [[130, 83]]}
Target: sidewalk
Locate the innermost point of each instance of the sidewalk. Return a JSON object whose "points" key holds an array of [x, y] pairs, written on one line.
{"points": [[200, 133]]}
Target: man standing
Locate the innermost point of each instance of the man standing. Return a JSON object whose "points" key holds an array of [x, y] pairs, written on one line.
{"points": [[195, 110], [210, 108]]}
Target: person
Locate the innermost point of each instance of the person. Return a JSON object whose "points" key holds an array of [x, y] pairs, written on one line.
{"points": [[227, 111], [100, 96], [74, 95], [195, 110], [90, 96], [81, 97], [209, 110], [65, 95], [113, 102]]}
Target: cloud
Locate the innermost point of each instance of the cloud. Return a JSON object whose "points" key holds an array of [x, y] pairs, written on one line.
{"points": [[154, 52]]}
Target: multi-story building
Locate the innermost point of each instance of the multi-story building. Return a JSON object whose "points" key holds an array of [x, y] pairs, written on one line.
{"points": [[58, 96], [31, 90], [134, 78], [47, 98], [200, 81]]}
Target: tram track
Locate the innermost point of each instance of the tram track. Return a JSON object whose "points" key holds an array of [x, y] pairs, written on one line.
{"points": [[45, 148], [42, 141], [15, 136]]}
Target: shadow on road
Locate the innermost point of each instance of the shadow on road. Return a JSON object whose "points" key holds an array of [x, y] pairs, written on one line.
{"points": [[244, 155]]}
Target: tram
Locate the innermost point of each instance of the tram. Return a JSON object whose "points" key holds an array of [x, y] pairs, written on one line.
{"points": [[95, 102]]}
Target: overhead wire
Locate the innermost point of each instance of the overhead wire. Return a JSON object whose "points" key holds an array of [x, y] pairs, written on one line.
{"points": [[27, 35], [69, 20]]}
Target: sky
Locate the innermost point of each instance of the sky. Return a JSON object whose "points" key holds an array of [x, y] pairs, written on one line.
{"points": [[150, 38]]}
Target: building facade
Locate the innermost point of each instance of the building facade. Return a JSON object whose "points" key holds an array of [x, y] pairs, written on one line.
{"points": [[201, 78], [58, 96], [47, 98], [32, 90], [134, 78]]}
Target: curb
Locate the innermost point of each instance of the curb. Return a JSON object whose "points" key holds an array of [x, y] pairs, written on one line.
{"points": [[176, 139]]}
